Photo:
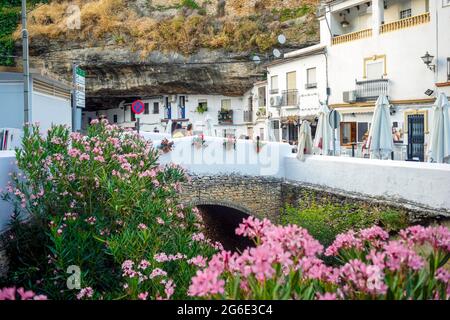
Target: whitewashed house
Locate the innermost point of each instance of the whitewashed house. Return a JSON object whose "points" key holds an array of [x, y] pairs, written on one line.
{"points": [[226, 113], [255, 114], [297, 85], [379, 47], [50, 100]]}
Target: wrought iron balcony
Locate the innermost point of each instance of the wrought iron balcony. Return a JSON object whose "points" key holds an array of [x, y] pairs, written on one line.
{"points": [[371, 89], [289, 98], [225, 117]]}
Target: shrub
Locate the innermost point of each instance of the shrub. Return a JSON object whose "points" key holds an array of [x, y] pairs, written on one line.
{"points": [[285, 264], [94, 202], [326, 221]]}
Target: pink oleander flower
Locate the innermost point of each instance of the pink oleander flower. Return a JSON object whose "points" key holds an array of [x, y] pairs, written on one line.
{"points": [[169, 288], [443, 275], [438, 237], [143, 296], [357, 276], [142, 226], [20, 293], [198, 237], [91, 220], [252, 227], [198, 261], [160, 221], [161, 257], [344, 241], [144, 264], [157, 273], [205, 283], [399, 256], [87, 292], [327, 296]]}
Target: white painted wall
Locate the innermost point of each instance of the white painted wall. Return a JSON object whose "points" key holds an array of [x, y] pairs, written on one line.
{"points": [[408, 75], [45, 109], [308, 98], [215, 159], [422, 183], [48, 110], [7, 165]]}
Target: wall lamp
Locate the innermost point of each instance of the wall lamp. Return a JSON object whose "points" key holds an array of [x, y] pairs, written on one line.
{"points": [[428, 59]]}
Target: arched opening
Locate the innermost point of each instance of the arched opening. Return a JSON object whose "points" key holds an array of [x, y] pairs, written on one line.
{"points": [[221, 223]]}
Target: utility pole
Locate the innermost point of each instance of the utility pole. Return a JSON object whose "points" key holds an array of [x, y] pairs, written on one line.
{"points": [[26, 65]]}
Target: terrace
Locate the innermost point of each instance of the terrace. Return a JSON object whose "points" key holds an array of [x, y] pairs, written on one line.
{"points": [[365, 19]]}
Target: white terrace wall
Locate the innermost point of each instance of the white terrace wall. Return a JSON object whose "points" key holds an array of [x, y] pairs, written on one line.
{"points": [[215, 159], [423, 184], [7, 165]]}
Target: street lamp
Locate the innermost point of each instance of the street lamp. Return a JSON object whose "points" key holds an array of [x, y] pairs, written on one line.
{"points": [[345, 23], [428, 59]]}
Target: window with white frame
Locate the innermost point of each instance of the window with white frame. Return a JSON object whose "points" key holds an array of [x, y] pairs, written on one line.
{"points": [[274, 85], [311, 78], [226, 104]]}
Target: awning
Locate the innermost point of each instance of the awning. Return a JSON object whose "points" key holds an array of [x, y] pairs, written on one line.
{"points": [[355, 110]]}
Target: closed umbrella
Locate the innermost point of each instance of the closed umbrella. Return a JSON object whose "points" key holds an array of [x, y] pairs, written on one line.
{"points": [[169, 127], [380, 142], [439, 150], [323, 138], [270, 135], [208, 126], [305, 144]]}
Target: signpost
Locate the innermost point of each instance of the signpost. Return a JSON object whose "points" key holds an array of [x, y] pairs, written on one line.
{"points": [[334, 120], [138, 107], [79, 96]]}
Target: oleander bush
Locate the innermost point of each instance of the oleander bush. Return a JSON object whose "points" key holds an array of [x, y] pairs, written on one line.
{"points": [[100, 202], [285, 264]]}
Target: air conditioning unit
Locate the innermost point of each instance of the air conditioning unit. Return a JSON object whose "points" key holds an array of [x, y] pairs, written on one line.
{"points": [[275, 101], [349, 96]]}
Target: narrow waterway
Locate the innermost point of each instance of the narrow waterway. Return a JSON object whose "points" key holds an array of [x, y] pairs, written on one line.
{"points": [[221, 223]]}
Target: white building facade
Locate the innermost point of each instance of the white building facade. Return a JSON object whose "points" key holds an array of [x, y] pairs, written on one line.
{"points": [[229, 115], [376, 47], [297, 85], [50, 101]]}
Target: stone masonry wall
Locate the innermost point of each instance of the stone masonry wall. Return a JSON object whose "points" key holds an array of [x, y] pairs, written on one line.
{"points": [[258, 196]]}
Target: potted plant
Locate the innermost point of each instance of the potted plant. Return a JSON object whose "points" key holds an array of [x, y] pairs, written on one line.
{"points": [[199, 142], [166, 146]]}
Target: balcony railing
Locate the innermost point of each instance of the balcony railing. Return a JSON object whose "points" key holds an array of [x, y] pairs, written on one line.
{"points": [[371, 89], [248, 116], [289, 98], [405, 23], [225, 117], [366, 33]]}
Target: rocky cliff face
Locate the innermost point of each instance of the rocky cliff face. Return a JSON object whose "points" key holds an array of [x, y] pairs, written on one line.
{"points": [[134, 48]]}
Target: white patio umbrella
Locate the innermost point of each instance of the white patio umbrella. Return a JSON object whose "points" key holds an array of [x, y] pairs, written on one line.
{"points": [[439, 147], [208, 126], [305, 144], [169, 127], [380, 142], [270, 135], [323, 138]]}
